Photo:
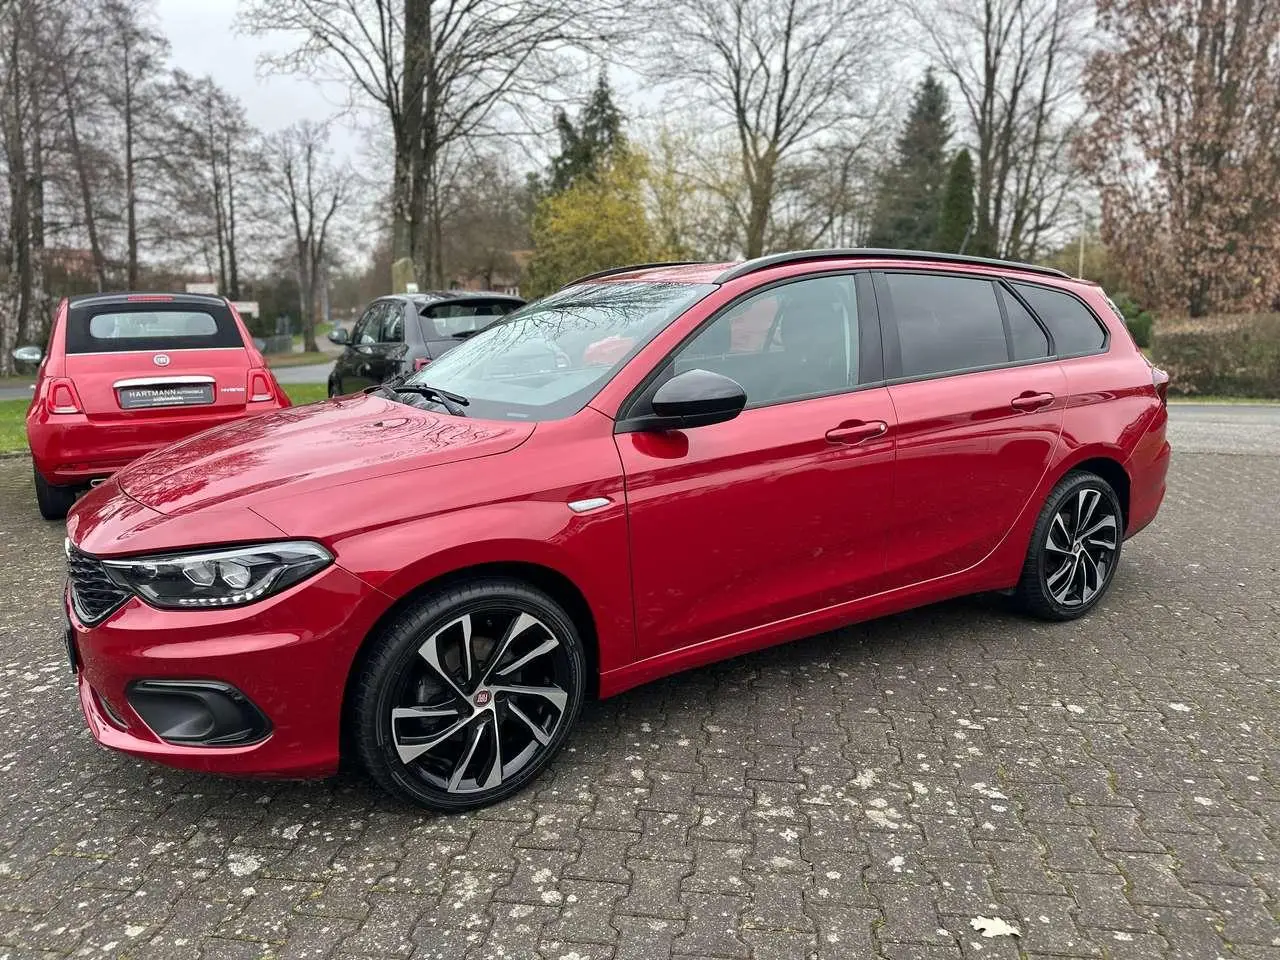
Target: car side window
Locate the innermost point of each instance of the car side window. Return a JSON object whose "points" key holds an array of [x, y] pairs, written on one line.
{"points": [[1027, 337], [1073, 325], [367, 328], [946, 324], [792, 341], [392, 322]]}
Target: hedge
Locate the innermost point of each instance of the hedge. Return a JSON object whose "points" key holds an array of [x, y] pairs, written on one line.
{"points": [[1231, 355]]}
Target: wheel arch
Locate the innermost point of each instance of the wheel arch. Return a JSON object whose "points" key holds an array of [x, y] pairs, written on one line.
{"points": [[1105, 463], [549, 580]]}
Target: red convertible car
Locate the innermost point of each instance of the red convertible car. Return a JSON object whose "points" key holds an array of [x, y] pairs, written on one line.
{"points": [[129, 372]]}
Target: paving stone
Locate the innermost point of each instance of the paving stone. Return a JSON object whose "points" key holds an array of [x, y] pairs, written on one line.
{"points": [[1109, 786]]}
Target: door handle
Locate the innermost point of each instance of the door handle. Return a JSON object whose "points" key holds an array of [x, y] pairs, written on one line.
{"points": [[857, 431], [1029, 400]]}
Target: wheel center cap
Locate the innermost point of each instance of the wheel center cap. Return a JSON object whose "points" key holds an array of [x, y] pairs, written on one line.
{"points": [[482, 698]]}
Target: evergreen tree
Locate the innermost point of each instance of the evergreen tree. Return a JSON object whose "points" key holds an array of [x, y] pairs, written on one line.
{"points": [[957, 206], [910, 192], [586, 146]]}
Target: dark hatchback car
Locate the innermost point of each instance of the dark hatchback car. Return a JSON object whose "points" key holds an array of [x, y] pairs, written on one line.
{"points": [[402, 334]]}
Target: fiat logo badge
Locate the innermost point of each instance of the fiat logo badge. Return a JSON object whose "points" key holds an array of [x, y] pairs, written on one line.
{"points": [[160, 359], [482, 698]]}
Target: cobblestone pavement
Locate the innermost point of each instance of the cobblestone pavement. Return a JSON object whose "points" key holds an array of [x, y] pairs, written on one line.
{"points": [[1109, 788]]}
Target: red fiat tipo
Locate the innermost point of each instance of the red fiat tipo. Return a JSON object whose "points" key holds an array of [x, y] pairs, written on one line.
{"points": [[654, 468], [127, 373]]}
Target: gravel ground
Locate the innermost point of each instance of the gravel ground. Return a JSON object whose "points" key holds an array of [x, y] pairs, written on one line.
{"points": [[1108, 788]]}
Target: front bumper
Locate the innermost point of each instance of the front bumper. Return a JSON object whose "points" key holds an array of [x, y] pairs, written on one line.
{"points": [[290, 655]]}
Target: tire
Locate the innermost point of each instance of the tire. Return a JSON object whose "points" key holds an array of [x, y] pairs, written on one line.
{"points": [[1074, 551], [481, 677], [54, 502]]}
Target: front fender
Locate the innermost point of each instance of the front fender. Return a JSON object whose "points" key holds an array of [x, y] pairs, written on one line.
{"points": [[589, 550]]}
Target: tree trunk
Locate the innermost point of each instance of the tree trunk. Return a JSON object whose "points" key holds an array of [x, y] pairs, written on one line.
{"points": [[233, 273], [130, 180], [82, 178], [35, 317]]}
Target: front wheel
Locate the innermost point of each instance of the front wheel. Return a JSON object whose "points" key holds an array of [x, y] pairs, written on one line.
{"points": [[468, 694], [54, 502], [1074, 550]]}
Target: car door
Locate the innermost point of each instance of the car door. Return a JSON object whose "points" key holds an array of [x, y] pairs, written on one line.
{"points": [[780, 511], [358, 359], [979, 406]]}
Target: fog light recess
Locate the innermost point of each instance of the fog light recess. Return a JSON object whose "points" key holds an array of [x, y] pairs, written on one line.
{"points": [[204, 713]]}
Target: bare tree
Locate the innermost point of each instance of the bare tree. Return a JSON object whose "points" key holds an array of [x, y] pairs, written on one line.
{"points": [[1016, 65], [138, 52], [785, 75], [1185, 150], [311, 192], [440, 73]]}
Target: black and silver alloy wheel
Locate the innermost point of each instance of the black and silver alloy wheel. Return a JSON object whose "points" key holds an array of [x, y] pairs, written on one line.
{"points": [[1080, 548], [468, 695], [1074, 550]]}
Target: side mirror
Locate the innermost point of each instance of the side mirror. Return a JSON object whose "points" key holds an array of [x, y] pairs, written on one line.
{"points": [[697, 398], [339, 335], [28, 354]]}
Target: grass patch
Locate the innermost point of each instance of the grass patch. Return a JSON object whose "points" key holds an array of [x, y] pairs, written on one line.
{"points": [[13, 429], [301, 393], [298, 359], [1226, 401]]}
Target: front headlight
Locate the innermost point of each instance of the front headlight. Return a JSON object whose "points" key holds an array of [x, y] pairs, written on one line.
{"points": [[229, 577]]}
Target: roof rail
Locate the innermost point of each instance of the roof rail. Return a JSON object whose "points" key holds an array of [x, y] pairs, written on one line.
{"points": [[874, 253], [635, 266]]}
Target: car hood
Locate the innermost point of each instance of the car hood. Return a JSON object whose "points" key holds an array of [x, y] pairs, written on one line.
{"points": [[301, 449]]}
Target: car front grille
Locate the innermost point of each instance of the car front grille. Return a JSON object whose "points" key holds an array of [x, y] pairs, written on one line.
{"points": [[93, 594]]}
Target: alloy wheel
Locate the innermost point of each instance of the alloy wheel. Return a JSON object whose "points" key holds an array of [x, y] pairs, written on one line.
{"points": [[482, 699], [1080, 547]]}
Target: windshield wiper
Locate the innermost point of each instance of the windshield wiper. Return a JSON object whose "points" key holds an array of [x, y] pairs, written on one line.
{"points": [[453, 402]]}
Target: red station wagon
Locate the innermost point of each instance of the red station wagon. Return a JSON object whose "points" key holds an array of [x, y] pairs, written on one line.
{"points": [[127, 373], [655, 468]]}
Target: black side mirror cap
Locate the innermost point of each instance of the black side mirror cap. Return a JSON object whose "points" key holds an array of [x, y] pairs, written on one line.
{"points": [[339, 335], [695, 398]]}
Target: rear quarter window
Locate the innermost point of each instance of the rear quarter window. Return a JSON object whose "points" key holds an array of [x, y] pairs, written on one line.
{"points": [[1074, 327], [119, 328]]}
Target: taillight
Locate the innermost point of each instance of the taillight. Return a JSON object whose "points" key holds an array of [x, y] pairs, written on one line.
{"points": [[420, 362], [149, 298], [62, 396], [1160, 380], [260, 386]]}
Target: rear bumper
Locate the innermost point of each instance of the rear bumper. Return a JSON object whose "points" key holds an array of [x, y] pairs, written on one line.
{"points": [[72, 448], [1148, 469]]}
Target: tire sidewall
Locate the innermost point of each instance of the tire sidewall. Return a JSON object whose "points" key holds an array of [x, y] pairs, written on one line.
{"points": [[408, 635], [1064, 493]]}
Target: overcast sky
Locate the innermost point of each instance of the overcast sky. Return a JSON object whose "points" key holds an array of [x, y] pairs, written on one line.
{"points": [[203, 40]]}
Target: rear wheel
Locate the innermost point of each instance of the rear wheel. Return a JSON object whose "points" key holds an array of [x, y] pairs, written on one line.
{"points": [[54, 502], [1074, 550], [468, 694]]}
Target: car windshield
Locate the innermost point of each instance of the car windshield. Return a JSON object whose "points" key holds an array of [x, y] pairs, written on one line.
{"points": [[548, 359]]}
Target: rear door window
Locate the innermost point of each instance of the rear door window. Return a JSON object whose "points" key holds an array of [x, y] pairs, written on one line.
{"points": [[452, 319], [946, 324], [123, 327], [1074, 327]]}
